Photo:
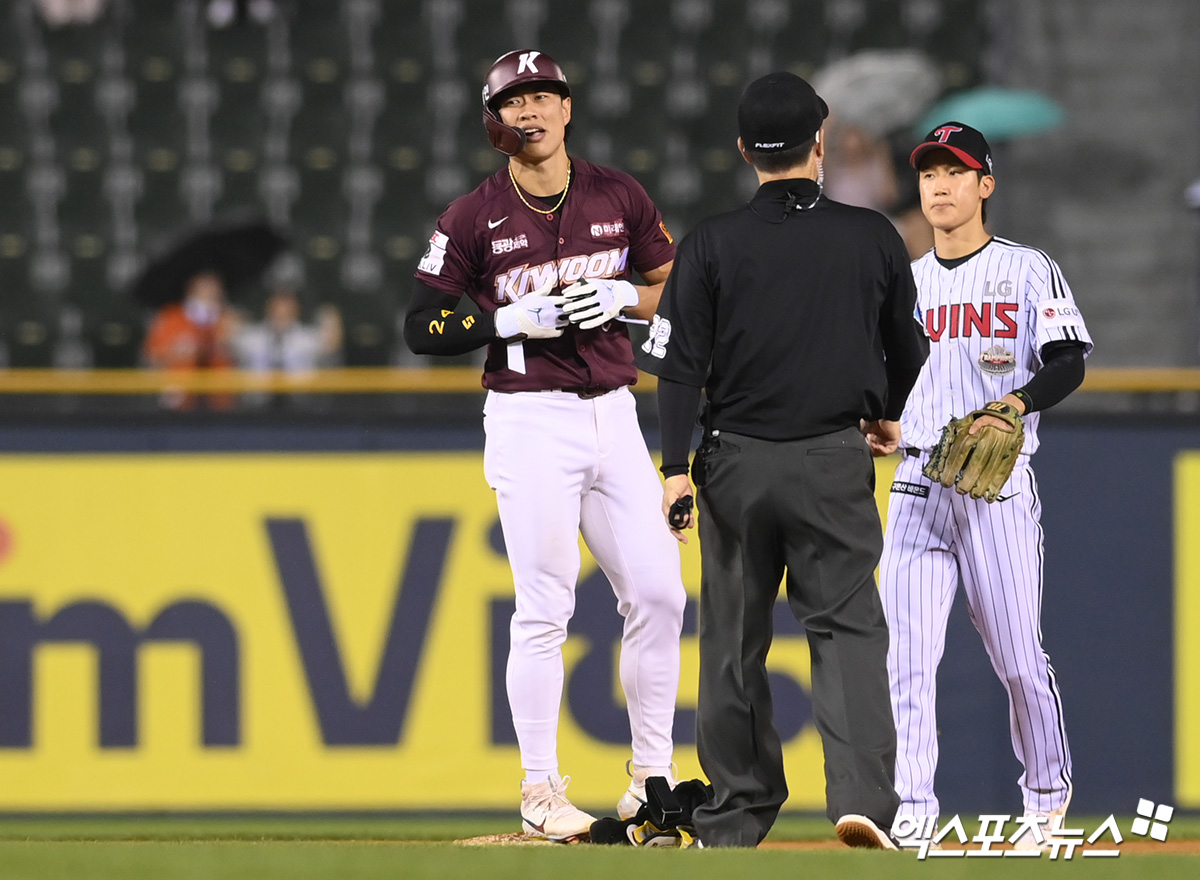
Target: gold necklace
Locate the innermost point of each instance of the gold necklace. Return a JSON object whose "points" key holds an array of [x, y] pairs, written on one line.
{"points": [[521, 195]]}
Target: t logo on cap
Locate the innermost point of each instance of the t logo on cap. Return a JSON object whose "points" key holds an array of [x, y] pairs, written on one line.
{"points": [[966, 143], [943, 133]]}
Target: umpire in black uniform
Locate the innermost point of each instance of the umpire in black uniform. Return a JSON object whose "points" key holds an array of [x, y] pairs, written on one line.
{"points": [[795, 314]]}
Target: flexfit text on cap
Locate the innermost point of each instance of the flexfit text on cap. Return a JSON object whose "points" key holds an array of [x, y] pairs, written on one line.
{"points": [[778, 112], [968, 144]]}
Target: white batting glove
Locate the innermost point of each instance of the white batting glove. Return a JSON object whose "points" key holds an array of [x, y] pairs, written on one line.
{"points": [[591, 302], [535, 316]]}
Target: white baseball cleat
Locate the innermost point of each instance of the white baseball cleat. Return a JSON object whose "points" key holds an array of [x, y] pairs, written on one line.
{"points": [[546, 812], [1054, 822], [859, 831], [635, 796]]}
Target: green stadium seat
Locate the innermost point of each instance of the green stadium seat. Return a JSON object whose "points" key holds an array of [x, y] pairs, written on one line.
{"points": [[84, 210], [114, 329], [369, 328], [401, 45], [12, 122], [12, 49], [238, 54], [14, 266], [161, 210], [29, 331], [80, 132]]}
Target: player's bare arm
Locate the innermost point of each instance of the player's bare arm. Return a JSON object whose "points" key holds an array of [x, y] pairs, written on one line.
{"points": [[649, 294]]}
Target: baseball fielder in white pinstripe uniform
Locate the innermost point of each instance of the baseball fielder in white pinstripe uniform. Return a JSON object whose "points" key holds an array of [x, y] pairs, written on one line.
{"points": [[1002, 326]]}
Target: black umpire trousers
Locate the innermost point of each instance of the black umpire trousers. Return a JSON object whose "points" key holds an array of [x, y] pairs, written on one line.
{"points": [[805, 508]]}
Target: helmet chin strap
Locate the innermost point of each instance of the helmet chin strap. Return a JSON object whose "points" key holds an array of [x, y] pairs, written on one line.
{"points": [[508, 139]]}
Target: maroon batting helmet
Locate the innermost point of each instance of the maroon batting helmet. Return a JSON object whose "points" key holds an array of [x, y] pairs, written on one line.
{"points": [[517, 68]]}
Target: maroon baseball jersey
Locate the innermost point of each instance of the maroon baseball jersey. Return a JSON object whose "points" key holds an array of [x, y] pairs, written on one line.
{"points": [[491, 246]]}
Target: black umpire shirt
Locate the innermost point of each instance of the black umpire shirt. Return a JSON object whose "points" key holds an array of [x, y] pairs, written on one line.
{"points": [[794, 313]]}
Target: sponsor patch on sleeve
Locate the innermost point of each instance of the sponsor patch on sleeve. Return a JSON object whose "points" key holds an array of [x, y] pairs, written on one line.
{"points": [[1057, 313], [435, 254]]}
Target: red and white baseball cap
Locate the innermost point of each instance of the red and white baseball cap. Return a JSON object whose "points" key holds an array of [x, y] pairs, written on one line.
{"points": [[967, 143]]}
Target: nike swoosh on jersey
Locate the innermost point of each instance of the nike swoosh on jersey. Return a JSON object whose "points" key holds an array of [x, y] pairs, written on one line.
{"points": [[492, 224]]}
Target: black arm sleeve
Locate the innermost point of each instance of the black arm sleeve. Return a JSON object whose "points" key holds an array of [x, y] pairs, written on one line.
{"points": [[432, 327], [905, 344], [900, 380], [1061, 373], [677, 405]]}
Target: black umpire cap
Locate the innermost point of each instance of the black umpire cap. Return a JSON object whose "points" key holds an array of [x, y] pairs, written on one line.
{"points": [[778, 112], [968, 144]]}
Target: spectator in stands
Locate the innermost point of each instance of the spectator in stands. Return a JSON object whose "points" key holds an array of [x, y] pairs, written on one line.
{"points": [[57, 13], [859, 169], [281, 341], [196, 333], [906, 215]]}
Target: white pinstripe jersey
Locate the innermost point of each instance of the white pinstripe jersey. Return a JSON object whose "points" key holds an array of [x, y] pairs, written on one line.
{"points": [[987, 320]]}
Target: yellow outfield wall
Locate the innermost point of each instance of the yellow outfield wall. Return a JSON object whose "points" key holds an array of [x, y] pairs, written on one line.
{"points": [[1187, 630], [315, 631]]}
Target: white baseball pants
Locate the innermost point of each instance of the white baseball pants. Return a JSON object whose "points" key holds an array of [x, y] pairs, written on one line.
{"points": [[561, 465], [996, 551]]}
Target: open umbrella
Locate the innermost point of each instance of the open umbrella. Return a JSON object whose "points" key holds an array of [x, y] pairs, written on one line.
{"points": [[879, 90], [237, 251], [999, 113]]}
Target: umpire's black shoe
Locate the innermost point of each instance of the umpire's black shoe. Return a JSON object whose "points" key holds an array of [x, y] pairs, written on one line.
{"points": [[859, 831]]}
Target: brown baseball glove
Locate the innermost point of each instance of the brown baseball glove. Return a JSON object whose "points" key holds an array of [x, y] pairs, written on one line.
{"points": [[977, 464]]}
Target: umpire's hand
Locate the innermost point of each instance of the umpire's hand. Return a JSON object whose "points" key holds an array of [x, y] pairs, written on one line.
{"points": [[883, 437], [675, 488]]}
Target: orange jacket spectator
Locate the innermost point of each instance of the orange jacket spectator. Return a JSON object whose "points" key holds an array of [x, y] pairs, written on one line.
{"points": [[195, 334], [175, 341]]}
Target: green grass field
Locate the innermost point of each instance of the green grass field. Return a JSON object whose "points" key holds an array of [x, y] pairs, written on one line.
{"points": [[399, 848]]}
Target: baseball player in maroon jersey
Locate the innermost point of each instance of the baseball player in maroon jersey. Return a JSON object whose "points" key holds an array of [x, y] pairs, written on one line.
{"points": [[545, 248]]}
